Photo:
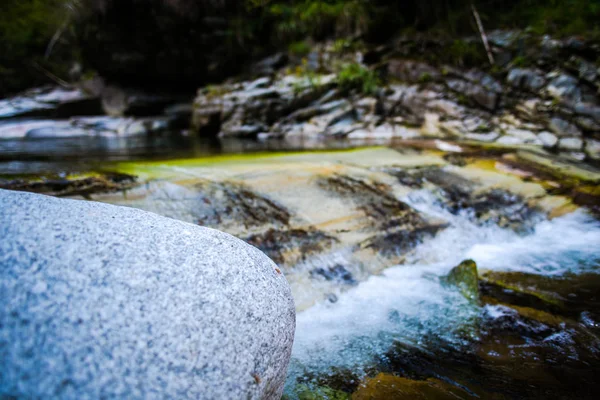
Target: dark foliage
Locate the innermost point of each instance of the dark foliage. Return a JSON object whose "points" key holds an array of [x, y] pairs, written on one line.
{"points": [[180, 44]]}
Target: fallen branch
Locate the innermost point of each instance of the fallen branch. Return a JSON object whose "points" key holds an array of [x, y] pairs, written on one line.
{"points": [[53, 77], [56, 37], [482, 33]]}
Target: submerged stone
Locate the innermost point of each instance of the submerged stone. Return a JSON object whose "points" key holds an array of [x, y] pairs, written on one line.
{"points": [[98, 301], [306, 392], [385, 386]]}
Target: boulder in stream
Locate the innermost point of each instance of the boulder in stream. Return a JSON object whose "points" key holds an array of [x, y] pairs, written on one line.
{"points": [[464, 277], [100, 301]]}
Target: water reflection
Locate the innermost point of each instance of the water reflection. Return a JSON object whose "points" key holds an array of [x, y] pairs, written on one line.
{"points": [[50, 155]]}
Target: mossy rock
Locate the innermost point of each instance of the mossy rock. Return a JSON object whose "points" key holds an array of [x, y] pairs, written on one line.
{"points": [[75, 185], [566, 295], [561, 170], [306, 392], [385, 386], [526, 290], [464, 277], [529, 313]]}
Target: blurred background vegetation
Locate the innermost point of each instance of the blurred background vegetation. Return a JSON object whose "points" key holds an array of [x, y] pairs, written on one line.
{"points": [[183, 43]]}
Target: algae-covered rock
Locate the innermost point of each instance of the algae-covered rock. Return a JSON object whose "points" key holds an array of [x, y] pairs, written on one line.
{"points": [[566, 295], [83, 186], [385, 386], [306, 392], [527, 290], [560, 169], [528, 312], [464, 277]]}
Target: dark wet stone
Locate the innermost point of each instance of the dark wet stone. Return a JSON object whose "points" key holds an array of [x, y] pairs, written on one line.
{"points": [[332, 297], [455, 159], [503, 209], [480, 95], [502, 363], [567, 295], [227, 202], [336, 273], [399, 227], [496, 206], [373, 198], [526, 79], [395, 242], [407, 177], [342, 379], [291, 246], [108, 182]]}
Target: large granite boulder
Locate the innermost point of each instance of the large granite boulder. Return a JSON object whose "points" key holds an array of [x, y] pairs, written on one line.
{"points": [[99, 301]]}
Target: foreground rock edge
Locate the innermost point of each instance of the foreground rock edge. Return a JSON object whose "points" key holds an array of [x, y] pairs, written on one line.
{"points": [[127, 312]]}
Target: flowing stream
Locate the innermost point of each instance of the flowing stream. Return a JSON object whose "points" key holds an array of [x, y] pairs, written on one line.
{"points": [[367, 327], [409, 305]]}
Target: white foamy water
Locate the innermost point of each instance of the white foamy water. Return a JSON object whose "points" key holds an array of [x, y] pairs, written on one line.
{"points": [[408, 302], [565, 244]]}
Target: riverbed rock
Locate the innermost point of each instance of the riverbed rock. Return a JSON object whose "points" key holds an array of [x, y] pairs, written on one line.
{"points": [[385, 386], [250, 108], [547, 139], [564, 87], [412, 71], [50, 102], [479, 87], [592, 149], [99, 301], [464, 277], [574, 144], [84, 127], [526, 79], [563, 128]]}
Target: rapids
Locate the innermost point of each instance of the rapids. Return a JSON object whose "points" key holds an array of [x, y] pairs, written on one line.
{"points": [[409, 304]]}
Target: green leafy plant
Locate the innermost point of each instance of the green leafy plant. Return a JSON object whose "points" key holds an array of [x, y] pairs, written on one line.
{"points": [[319, 18], [357, 77], [345, 45], [425, 77], [299, 48]]}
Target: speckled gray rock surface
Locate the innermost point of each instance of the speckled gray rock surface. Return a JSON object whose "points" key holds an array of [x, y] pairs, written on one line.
{"points": [[98, 301]]}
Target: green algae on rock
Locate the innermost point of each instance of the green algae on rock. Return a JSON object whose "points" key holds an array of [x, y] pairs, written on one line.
{"points": [[464, 277], [386, 386], [306, 392], [84, 185]]}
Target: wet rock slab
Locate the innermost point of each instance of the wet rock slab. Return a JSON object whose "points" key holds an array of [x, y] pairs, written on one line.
{"points": [[82, 127], [332, 219], [50, 102], [98, 301], [84, 186]]}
